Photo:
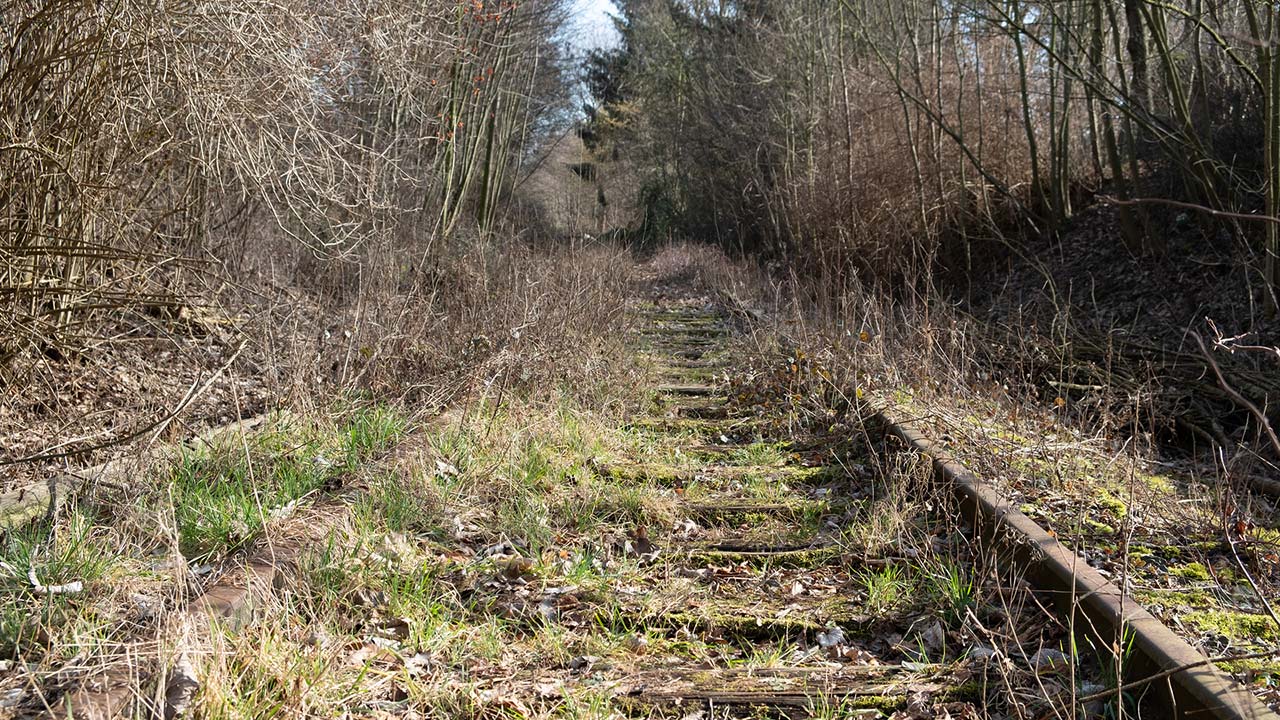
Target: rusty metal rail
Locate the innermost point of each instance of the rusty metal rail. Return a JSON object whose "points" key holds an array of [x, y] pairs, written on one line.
{"points": [[1172, 674]]}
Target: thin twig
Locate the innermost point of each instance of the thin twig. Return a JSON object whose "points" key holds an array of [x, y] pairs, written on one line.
{"points": [[1236, 396], [1189, 206], [158, 425], [1171, 671]]}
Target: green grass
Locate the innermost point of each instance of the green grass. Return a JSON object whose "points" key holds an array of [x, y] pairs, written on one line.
{"points": [[371, 430], [407, 503], [221, 500], [535, 482], [956, 592], [657, 447], [886, 590], [268, 673], [763, 454], [596, 705], [355, 579], [586, 505], [32, 624], [223, 496]]}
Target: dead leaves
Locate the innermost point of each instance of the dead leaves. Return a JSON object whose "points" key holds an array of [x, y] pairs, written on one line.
{"points": [[637, 545], [920, 706], [514, 567], [834, 644]]}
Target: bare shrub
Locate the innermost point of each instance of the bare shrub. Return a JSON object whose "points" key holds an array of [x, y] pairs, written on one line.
{"points": [[285, 195], [141, 139]]}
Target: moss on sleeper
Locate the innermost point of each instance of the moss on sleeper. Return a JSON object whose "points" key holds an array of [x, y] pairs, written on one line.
{"points": [[1175, 598], [1141, 552], [1101, 528], [1156, 483], [1112, 504], [1239, 626], [1193, 571], [1257, 668]]}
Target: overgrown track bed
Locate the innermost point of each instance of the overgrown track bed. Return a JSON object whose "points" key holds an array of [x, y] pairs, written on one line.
{"points": [[681, 554], [112, 592], [826, 567], [1148, 665], [1177, 680]]}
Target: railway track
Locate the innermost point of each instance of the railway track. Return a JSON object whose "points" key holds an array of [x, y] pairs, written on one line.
{"points": [[792, 570], [732, 569]]}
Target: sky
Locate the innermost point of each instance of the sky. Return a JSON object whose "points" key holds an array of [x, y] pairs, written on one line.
{"points": [[592, 26]]}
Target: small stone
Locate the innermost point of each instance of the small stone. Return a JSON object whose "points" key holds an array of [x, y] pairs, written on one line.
{"points": [[830, 638], [12, 697], [636, 643], [583, 662], [548, 609], [1049, 660], [982, 654], [418, 664]]}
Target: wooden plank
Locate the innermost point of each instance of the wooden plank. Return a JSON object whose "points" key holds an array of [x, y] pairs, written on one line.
{"points": [[24, 505], [778, 687]]}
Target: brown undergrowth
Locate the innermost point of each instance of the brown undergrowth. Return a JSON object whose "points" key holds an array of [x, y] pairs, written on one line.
{"points": [[492, 314]]}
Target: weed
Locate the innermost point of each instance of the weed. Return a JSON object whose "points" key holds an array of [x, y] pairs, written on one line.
{"points": [[525, 516], [1111, 675], [267, 673], [370, 430], [224, 495], [877, 528], [885, 590], [957, 593], [761, 454], [332, 572], [457, 447], [79, 551], [586, 564], [406, 503], [586, 706], [824, 707], [771, 655], [223, 498]]}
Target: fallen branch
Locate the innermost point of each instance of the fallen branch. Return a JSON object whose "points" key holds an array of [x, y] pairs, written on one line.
{"points": [[70, 588], [1237, 397], [1232, 344], [1189, 206], [158, 426], [1103, 694]]}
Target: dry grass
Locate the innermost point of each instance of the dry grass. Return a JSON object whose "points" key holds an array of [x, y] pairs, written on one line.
{"points": [[488, 328], [423, 551]]}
